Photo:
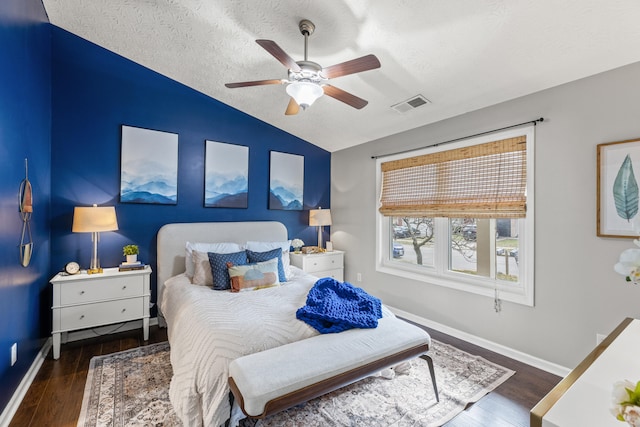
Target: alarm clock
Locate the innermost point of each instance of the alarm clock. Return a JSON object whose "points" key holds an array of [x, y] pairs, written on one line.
{"points": [[72, 267]]}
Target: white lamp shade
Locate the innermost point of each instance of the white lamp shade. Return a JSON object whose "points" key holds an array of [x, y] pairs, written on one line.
{"points": [[94, 219], [304, 93], [319, 217]]}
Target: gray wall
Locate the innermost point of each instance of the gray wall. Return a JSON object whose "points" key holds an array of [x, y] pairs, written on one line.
{"points": [[577, 293]]}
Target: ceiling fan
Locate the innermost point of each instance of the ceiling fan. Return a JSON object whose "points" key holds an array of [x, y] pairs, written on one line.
{"points": [[307, 81]]}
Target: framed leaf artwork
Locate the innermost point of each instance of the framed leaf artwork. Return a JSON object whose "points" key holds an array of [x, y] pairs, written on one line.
{"points": [[618, 213]]}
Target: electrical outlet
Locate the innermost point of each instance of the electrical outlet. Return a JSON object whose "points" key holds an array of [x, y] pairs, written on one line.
{"points": [[14, 353], [600, 338], [359, 277]]}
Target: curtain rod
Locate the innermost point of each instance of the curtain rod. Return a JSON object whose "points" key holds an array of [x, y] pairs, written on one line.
{"points": [[535, 122]]}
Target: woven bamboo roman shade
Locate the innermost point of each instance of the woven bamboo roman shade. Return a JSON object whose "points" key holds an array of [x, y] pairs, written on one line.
{"points": [[481, 181]]}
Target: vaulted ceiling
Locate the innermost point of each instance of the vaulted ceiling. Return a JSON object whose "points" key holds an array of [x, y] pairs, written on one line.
{"points": [[461, 55]]}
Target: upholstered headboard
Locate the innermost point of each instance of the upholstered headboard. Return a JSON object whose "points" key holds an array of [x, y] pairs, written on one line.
{"points": [[172, 239]]}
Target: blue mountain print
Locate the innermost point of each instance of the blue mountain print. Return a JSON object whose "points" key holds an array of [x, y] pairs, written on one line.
{"points": [[222, 191], [146, 181], [281, 198]]}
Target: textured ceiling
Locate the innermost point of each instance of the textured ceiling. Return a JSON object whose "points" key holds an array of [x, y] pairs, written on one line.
{"points": [[460, 54]]}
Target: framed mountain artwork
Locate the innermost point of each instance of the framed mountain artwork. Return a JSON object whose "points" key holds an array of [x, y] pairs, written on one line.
{"points": [[226, 175], [286, 181], [148, 166]]}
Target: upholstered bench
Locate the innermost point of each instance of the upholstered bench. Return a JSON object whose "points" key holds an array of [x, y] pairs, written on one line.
{"points": [[279, 378]]}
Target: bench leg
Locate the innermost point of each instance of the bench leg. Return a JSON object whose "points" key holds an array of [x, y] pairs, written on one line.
{"points": [[433, 374]]}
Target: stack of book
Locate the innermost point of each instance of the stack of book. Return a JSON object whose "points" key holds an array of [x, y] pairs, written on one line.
{"points": [[128, 266]]}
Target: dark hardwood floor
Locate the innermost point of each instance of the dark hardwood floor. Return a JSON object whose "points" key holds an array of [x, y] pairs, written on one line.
{"points": [[510, 403], [55, 397]]}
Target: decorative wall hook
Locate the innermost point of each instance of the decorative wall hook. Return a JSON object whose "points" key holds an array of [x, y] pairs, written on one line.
{"points": [[25, 203]]}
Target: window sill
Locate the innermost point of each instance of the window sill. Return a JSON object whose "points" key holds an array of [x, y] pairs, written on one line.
{"points": [[460, 282]]}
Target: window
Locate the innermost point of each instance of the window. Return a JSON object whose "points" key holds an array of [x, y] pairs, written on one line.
{"points": [[461, 215]]}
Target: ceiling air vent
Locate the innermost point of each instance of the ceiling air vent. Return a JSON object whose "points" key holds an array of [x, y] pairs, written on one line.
{"points": [[411, 104]]}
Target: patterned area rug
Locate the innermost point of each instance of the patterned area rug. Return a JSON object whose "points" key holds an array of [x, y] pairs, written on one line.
{"points": [[131, 388]]}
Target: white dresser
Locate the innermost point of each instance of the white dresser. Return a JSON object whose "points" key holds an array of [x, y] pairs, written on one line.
{"points": [[584, 397], [89, 300], [325, 264]]}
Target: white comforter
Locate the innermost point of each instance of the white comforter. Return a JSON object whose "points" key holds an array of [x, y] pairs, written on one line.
{"points": [[208, 329]]}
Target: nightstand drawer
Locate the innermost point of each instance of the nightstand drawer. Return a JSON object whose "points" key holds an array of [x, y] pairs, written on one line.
{"points": [[337, 274], [107, 288], [323, 262], [97, 314]]}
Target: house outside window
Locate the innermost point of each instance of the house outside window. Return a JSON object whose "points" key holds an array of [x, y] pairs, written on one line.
{"points": [[461, 215]]}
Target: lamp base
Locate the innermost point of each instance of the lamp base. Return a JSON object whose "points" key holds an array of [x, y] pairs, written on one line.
{"points": [[94, 267], [320, 236]]}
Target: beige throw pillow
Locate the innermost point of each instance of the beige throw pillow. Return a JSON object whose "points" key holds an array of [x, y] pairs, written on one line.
{"points": [[201, 269]]}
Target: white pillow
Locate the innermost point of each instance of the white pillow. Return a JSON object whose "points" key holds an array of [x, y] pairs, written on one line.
{"points": [[219, 247], [202, 275], [267, 246]]}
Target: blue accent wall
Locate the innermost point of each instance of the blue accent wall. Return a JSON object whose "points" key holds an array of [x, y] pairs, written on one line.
{"points": [[25, 123], [95, 92], [63, 101]]}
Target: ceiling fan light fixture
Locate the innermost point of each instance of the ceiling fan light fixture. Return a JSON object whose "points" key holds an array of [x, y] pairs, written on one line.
{"points": [[307, 80], [304, 93]]}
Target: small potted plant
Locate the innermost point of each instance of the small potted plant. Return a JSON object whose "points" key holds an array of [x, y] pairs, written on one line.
{"points": [[131, 252]]}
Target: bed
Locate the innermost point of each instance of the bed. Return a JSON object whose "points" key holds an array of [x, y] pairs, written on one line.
{"points": [[173, 237], [208, 329]]}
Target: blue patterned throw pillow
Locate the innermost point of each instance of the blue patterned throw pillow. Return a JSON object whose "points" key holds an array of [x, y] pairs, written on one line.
{"points": [[266, 256], [219, 271]]}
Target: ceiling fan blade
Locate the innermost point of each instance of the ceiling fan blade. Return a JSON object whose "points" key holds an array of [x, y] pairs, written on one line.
{"points": [[277, 52], [345, 97], [367, 62], [292, 108], [254, 83]]}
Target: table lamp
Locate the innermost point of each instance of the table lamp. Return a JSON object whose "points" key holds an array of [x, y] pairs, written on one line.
{"points": [[320, 217], [94, 220]]}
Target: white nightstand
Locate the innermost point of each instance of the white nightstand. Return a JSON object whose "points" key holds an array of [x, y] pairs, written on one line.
{"points": [[89, 300], [325, 264]]}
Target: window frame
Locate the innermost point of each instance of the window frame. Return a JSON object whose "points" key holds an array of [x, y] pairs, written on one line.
{"points": [[440, 275]]}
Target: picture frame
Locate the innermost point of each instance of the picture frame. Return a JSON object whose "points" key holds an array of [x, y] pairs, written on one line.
{"points": [[148, 166], [286, 181], [618, 193], [226, 176]]}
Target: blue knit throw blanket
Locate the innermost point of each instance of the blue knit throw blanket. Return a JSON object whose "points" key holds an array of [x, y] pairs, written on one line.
{"points": [[334, 306]]}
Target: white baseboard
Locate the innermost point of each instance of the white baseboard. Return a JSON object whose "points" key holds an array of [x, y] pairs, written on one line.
{"points": [[23, 387], [489, 345]]}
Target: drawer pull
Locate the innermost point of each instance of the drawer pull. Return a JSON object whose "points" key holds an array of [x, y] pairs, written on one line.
{"points": [[123, 310], [81, 292], [124, 287], [81, 316]]}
